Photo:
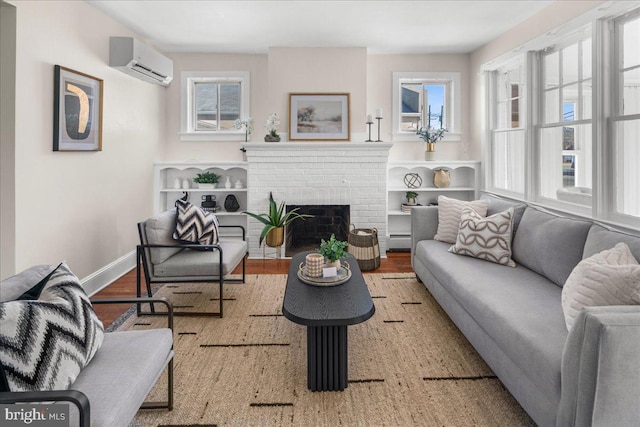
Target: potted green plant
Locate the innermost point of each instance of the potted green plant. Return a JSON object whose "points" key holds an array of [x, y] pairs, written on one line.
{"points": [[206, 180], [333, 250], [275, 221], [411, 198]]}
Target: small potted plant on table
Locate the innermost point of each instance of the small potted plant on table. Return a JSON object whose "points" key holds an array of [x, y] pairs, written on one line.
{"points": [[206, 180], [333, 250]]}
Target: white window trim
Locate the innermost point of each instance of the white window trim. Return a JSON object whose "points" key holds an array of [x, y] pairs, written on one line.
{"points": [[187, 78], [454, 102]]}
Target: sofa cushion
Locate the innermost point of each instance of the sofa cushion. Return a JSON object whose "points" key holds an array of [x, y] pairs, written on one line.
{"points": [[601, 238], [449, 212], [189, 263], [487, 238], [122, 374], [13, 287], [549, 244], [159, 231], [45, 343], [195, 225], [610, 277], [498, 204], [518, 308]]}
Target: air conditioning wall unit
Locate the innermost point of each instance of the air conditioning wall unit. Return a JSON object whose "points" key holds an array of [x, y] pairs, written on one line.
{"points": [[135, 58]]}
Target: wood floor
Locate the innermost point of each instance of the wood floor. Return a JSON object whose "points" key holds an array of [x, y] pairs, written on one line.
{"points": [[125, 287]]}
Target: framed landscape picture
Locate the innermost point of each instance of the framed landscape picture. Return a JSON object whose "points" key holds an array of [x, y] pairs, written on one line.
{"points": [[319, 117], [77, 111]]}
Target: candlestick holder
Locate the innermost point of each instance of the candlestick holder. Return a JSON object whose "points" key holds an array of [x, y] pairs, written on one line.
{"points": [[378, 119], [369, 125]]}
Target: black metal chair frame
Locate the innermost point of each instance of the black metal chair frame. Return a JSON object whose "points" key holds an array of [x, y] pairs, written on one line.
{"points": [[141, 258], [79, 399]]}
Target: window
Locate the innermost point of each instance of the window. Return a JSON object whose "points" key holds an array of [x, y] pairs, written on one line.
{"points": [[573, 138], [626, 115], [426, 99], [564, 141], [211, 103], [507, 128]]}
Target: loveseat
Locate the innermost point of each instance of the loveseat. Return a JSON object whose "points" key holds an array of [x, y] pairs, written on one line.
{"points": [[588, 375], [114, 384]]}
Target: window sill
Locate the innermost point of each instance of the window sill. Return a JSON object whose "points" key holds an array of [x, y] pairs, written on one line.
{"points": [[407, 136], [212, 136]]}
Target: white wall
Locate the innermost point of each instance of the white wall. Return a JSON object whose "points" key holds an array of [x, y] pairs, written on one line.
{"points": [[380, 69], [80, 206]]}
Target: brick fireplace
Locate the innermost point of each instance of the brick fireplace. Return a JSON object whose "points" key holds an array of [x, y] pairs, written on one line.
{"points": [[319, 173]]}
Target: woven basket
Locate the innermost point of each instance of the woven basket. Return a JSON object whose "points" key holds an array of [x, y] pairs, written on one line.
{"points": [[363, 245]]}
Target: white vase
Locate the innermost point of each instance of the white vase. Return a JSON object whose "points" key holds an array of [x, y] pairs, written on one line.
{"points": [[177, 183], [227, 182]]}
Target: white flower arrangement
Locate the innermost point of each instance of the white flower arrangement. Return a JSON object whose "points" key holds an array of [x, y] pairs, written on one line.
{"points": [[272, 124], [247, 125]]}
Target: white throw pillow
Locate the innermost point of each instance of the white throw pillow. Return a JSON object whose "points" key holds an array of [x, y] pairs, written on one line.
{"points": [[611, 277], [449, 212], [485, 238]]}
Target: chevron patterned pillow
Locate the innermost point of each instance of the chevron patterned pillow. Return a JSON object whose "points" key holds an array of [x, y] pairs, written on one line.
{"points": [[195, 225], [45, 343]]}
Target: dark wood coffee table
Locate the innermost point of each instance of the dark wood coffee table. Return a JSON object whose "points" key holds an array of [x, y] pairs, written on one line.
{"points": [[326, 312]]}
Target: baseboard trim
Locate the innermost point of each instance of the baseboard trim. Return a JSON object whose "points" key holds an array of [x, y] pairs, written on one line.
{"points": [[108, 274]]}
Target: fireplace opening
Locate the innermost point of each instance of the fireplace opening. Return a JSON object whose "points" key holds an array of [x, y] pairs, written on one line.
{"points": [[306, 235]]}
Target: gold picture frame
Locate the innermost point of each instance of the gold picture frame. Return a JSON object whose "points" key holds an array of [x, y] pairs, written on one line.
{"points": [[319, 117]]}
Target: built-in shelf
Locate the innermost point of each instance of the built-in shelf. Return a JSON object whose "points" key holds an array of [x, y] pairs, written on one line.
{"points": [[465, 178], [165, 195]]}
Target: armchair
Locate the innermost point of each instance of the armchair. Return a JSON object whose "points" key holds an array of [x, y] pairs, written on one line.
{"points": [[165, 260]]}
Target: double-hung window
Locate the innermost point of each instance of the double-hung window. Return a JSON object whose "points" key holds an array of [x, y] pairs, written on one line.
{"points": [[426, 99], [565, 136], [626, 117], [507, 123], [212, 102]]}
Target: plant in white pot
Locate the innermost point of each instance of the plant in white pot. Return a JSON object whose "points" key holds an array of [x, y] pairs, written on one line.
{"points": [[412, 198], [333, 250], [206, 180]]}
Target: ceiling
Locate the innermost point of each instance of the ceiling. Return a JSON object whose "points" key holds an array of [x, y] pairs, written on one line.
{"points": [[381, 26]]}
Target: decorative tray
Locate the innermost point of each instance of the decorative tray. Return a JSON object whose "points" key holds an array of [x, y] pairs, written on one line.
{"points": [[344, 274]]}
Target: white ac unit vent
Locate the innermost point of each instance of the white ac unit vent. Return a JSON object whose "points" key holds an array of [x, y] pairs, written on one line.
{"points": [[139, 60]]}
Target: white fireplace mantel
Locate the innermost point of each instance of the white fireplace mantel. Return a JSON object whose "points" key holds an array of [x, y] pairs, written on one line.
{"points": [[319, 173]]}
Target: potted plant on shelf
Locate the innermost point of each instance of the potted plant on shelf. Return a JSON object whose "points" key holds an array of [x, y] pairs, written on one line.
{"points": [[206, 180], [271, 126], [275, 221], [412, 197], [431, 136], [333, 250]]}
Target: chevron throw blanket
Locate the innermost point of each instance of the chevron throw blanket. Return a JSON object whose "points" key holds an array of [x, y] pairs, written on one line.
{"points": [[195, 225], [45, 343]]}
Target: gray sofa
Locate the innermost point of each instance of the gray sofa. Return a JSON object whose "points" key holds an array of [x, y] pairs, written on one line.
{"points": [[114, 385], [514, 319]]}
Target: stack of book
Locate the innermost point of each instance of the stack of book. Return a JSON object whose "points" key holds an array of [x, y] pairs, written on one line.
{"points": [[407, 208]]}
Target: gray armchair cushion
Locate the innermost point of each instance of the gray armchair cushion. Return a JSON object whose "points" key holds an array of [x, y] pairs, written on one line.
{"points": [[189, 263], [600, 239], [159, 231], [549, 245], [122, 374]]}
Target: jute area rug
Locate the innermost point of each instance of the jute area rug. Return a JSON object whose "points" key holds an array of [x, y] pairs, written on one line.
{"points": [[408, 365]]}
